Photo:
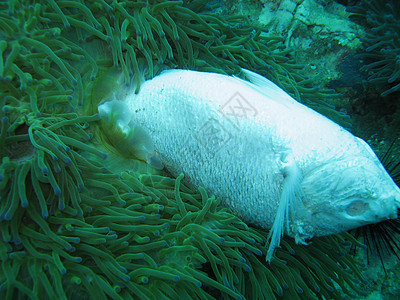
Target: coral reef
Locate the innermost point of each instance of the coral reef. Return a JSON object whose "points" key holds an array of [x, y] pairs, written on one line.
{"points": [[318, 32], [70, 225], [297, 18]]}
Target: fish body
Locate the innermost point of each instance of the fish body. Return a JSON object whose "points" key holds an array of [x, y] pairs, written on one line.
{"points": [[273, 161]]}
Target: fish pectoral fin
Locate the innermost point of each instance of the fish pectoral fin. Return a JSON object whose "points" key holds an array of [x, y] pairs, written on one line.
{"points": [[291, 189]]}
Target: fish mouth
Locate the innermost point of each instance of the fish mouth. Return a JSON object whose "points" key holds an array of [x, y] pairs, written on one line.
{"points": [[396, 214]]}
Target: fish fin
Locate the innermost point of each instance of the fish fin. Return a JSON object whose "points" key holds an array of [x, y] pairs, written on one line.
{"points": [[115, 112], [155, 162], [267, 87], [291, 189], [128, 138]]}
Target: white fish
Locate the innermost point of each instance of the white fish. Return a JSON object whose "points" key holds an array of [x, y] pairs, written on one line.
{"points": [[275, 162]]}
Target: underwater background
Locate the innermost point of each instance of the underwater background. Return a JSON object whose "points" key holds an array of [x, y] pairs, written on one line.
{"points": [[83, 218]]}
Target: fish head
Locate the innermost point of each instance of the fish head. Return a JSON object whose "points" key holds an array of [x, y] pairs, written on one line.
{"points": [[346, 193]]}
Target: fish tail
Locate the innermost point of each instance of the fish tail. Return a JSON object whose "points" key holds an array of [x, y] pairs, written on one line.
{"points": [[127, 137]]}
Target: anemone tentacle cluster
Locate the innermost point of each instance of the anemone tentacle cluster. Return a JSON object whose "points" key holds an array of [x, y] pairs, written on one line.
{"points": [[382, 43], [71, 227]]}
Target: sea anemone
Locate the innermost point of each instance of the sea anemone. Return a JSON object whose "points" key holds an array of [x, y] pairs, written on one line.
{"points": [[382, 43], [71, 226]]}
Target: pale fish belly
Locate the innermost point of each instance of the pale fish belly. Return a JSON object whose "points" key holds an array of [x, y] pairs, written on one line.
{"points": [[271, 160]]}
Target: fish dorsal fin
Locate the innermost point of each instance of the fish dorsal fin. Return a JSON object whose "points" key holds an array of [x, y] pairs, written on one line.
{"points": [[291, 190], [267, 87]]}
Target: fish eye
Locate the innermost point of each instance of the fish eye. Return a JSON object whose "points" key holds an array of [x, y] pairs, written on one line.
{"points": [[357, 207]]}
